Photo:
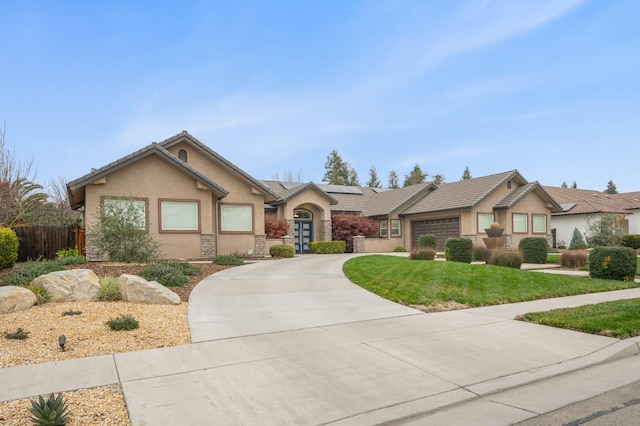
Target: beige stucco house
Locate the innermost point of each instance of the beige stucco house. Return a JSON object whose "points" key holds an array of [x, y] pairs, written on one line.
{"points": [[199, 205]]}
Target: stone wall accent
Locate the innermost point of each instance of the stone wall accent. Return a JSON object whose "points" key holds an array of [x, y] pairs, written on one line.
{"points": [[289, 240], [326, 231], [70, 286], [14, 298], [136, 289], [207, 246], [260, 245], [291, 227], [358, 244]]}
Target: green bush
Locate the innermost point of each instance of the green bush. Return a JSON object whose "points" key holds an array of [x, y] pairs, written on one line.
{"points": [[427, 241], [612, 263], [184, 267], [8, 247], [42, 295], [327, 247], [228, 260], [123, 322], [109, 290], [19, 334], [427, 253], [168, 274], [574, 258], [631, 241], [604, 231], [282, 250], [399, 249], [577, 240], [534, 249], [28, 271], [52, 411], [508, 258], [71, 260], [459, 250], [69, 252]]}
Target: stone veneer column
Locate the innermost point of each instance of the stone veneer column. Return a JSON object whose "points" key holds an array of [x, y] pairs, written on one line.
{"points": [[358, 244], [327, 231], [508, 243], [291, 224], [207, 246], [260, 245], [289, 240]]}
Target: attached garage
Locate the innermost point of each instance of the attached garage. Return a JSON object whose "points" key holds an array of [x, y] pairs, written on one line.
{"points": [[442, 228]]}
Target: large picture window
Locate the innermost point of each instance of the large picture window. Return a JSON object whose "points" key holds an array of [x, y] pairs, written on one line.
{"points": [[484, 221], [383, 226], [179, 216], [236, 218], [539, 223], [520, 223], [133, 208], [396, 228]]}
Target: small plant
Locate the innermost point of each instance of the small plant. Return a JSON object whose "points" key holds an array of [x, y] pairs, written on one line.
{"points": [[123, 322], [69, 252], [42, 295], [282, 250], [72, 260], [28, 271], [71, 313], [574, 259], [52, 411], [109, 290], [19, 334], [399, 249], [507, 258], [166, 273], [228, 260], [184, 267], [8, 247], [423, 254]]}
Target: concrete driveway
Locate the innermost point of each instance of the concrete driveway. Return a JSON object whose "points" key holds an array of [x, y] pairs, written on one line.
{"points": [[294, 342]]}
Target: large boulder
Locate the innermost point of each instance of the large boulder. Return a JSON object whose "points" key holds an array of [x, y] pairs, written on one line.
{"points": [[14, 299], [70, 286], [136, 289]]}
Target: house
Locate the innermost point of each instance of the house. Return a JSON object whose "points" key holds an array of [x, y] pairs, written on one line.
{"points": [[583, 206], [199, 205]]}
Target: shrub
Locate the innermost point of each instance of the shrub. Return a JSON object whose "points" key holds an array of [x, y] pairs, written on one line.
{"points": [[426, 241], [426, 253], [28, 271], [577, 241], [281, 250], [534, 249], [508, 258], [327, 247], [69, 252], [109, 290], [631, 240], [228, 260], [19, 334], [166, 273], [574, 259], [42, 295], [53, 411], [72, 260], [184, 267], [346, 226], [459, 250], [8, 247], [612, 263], [399, 249], [274, 227], [604, 232], [480, 253], [123, 322]]}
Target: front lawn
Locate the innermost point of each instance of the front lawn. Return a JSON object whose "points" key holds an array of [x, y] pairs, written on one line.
{"points": [[433, 283], [618, 319]]}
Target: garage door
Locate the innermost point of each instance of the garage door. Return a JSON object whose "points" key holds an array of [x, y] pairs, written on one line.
{"points": [[441, 228]]}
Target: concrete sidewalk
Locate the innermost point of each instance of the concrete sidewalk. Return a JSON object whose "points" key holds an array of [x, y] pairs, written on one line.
{"points": [[294, 342]]}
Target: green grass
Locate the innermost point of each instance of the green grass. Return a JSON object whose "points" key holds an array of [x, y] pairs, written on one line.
{"points": [[553, 257], [433, 282], [618, 319]]}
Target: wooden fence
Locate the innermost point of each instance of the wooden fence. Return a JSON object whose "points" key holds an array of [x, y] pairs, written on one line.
{"points": [[44, 241]]}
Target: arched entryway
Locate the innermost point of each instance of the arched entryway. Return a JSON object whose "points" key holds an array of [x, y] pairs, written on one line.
{"points": [[303, 229]]}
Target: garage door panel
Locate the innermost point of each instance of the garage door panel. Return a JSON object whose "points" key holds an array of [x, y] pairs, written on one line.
{"points": [[442, 228]]}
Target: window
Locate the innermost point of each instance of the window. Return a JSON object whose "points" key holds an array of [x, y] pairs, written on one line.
{"points": [[179, 216], [182, 154], [384, 230], [236, 218], [302, 214], [520, 222], [396, 228], [539, 223], [133, 208], [484, 221]]}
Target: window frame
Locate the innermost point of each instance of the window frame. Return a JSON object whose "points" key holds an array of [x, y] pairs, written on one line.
{"points": [[482, 230], [384, 234], [223, 206], [533, 223], [391, 230], [143, 200], [161, 222], [526, 223]]}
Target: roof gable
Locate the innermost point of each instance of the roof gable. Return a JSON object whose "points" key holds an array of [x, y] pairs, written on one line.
{"points": [[386, 203], [519, 193]]}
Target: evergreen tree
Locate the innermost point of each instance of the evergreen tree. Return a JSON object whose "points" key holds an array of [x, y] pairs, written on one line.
{"points": [[611, 188], [577, 240], [416, 176], [393, 180], [336, 170], [373, 181], [466, 174], [439, 179], [574, 185], [564, 185], [352, 179]]}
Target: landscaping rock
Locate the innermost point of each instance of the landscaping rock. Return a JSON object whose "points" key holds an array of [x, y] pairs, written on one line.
{"points": [[70, 286], [14, 299], [136, 289]]}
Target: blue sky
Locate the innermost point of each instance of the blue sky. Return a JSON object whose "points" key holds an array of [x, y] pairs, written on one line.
{"points": [[551, 88]]}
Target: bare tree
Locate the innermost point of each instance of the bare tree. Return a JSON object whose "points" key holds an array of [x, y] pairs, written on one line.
{"points": [[289, 176]]}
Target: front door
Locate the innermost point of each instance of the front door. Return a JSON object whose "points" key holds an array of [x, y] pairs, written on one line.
{"points": [[303, 232]]}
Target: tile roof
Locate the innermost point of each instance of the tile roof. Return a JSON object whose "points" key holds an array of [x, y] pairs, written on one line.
{"points": [[386, 203], [519, 193], [583, 201]]}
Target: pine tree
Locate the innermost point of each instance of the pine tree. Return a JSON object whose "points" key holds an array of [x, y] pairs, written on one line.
{"points": [[466, 174], [577, 240], [373, 181], [416, 176], [574, 185], [393, 180], [611, 188], [336, 170], [564, 185], [352, 180], [439, 179]]}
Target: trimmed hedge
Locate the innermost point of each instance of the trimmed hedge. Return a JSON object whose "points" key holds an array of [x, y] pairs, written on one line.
{"points": [[427, 241], [508, 258], [327, 247], [631, 241], [423, 254], [534, 249], [8, 247], [612, 263], [458, 250], [282, 250]]}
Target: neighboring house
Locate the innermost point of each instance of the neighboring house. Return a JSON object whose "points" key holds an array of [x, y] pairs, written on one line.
{"points": [[199, 205], [580, 207]]}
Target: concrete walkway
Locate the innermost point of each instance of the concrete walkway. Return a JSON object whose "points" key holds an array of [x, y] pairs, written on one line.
{"points": [[294, 342]]}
